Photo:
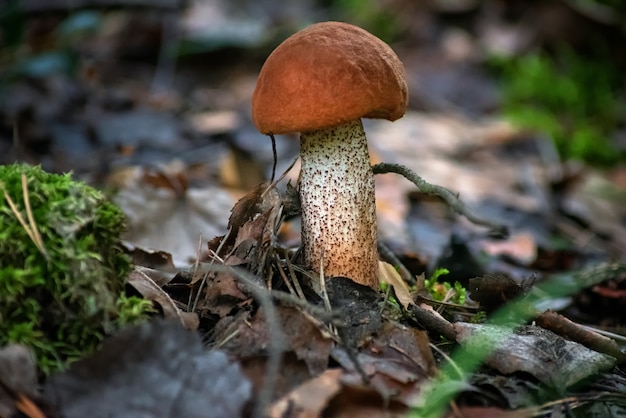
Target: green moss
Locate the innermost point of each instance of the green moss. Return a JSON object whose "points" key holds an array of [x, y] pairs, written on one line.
{"points": [[60, 298], [572, 99]]}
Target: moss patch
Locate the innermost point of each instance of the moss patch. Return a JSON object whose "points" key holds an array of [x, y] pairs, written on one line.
{"points": [[60, 298]]}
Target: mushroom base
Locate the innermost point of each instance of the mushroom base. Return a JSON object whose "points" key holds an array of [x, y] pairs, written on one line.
{"points": [[338, 203]]}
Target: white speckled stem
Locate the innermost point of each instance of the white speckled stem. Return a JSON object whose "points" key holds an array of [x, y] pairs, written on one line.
{"points": [[338, 203]]}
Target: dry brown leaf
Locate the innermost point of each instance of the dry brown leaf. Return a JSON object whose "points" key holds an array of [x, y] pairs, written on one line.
{"points": [[260, 200], [388, 274], [310, 398], [222, 296], [407, 345], [153, 292], [249, 337], [171, 218]]}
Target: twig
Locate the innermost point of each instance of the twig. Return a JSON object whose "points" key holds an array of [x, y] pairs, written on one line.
{"points": [[204, 277], [562, 326], [448, 196], [292, 274], [31, 219], [322, 280], [432, 322], [283, 276]]}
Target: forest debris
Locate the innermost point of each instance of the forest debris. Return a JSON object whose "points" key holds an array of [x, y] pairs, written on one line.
{"points": [[357, 308], [169, 216], [310, 398], [568, 329], [18, 378], [157, 369], [140, 279], [149, 258], [404, 344], [247, 336], [388, 274], [390, 378], [551, 359], [494, 290]]}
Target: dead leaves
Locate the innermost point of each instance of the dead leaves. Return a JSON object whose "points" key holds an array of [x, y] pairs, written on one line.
{"points": [[252, 227], [158, 370]]}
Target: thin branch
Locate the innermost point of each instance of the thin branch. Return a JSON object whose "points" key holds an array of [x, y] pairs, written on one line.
{"points": [[448, 196]]}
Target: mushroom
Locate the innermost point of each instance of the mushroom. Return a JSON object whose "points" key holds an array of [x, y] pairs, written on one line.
{"points": [[320, 82]]}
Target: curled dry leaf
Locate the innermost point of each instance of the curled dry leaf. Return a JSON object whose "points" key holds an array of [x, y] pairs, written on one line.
{"points": [[309, 399], [262, 201], [388, 274], [140, 279]]}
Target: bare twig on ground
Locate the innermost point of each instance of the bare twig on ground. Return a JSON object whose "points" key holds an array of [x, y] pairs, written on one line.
{"points": [[448, 196], [562, 326], [432, 322]]}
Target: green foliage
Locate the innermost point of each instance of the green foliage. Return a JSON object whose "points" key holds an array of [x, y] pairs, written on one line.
{"points": [[369, 15], [570, 98], [440, 290], [62, 297], [441, 271]]}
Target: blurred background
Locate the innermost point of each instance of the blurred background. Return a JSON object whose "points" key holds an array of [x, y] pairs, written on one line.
{"points": [[517, 106]]}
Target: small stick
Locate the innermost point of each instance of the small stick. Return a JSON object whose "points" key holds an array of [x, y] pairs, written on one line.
{"points": [[562, 326], [448, 196]]}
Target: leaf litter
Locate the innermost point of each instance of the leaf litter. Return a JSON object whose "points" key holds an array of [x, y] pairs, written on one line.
{"points": [[379, 361], [368, 355]]}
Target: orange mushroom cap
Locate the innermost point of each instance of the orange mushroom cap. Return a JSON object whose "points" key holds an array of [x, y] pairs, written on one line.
{"points": [[328, 74]]}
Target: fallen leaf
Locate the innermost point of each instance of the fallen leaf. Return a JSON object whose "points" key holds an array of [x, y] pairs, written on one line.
{"points": [[140, 279], [388, 274], [172, 220], [493, 290], [249, 337], [310, 398], [157, 369]]}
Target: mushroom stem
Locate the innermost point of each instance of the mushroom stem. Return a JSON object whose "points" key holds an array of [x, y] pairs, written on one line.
{"points": [[338, 203]]}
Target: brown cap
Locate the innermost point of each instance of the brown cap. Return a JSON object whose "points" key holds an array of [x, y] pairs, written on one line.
{"points": [[325, 75]]}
